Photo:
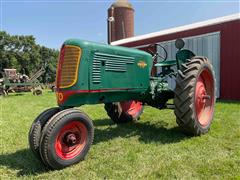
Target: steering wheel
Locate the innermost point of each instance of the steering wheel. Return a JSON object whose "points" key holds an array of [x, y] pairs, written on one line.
{"points": [[156, 54]]}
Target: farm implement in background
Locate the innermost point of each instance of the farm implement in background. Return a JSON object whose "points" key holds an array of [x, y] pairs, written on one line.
{"points": [[16, 82]]}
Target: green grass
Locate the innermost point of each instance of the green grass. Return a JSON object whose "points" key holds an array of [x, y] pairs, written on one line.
{"points": [[152, 148]]}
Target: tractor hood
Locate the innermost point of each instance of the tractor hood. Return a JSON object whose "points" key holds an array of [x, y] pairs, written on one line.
{"points": [[88, 67]]}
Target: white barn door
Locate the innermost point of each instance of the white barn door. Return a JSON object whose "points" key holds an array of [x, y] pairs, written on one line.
{"points": [[203, 45]]}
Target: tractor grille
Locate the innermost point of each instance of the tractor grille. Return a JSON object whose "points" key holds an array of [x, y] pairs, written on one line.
{"points": [[96, 73], [68, 66], [111, 62]]}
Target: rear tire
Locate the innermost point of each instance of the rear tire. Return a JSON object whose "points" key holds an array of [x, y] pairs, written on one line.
{"points": [[66, 138], [123, 112], [195, 96], [35, 131]]}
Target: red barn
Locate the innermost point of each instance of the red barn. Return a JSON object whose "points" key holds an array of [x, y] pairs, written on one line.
{"points": [[218, 39]]}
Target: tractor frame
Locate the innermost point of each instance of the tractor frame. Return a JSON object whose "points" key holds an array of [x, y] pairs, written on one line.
{"points": [[62, 136]]}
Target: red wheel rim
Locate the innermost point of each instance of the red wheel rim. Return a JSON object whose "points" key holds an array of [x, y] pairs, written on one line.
{"points": [[204, 97], [71, 140], [133, 108]]}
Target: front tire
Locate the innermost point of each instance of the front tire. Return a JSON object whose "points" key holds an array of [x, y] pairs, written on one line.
{"points": [[123, 112], [66, 138], [35, 131], [195, 96]]}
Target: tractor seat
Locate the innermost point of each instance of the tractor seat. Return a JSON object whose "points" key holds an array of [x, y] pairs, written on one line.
{"points": [[167, 63]]}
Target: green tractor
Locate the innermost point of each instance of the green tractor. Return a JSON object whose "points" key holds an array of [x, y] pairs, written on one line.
{"points": [[119, 77]]}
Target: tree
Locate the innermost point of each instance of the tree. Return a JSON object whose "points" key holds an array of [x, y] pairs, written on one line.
{"points": [[22, 53]]}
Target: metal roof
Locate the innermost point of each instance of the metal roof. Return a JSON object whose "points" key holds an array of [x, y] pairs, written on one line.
{"points": [[179, 29]]}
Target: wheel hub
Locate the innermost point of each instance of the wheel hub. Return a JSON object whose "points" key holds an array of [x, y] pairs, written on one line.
{"points": [[71, 139], [204, 96]]}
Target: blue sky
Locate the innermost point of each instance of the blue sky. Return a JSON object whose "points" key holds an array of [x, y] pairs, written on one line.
{"points": [[54, 21]]}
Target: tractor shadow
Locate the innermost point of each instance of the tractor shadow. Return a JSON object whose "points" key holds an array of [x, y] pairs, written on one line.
{"points": [[24, 162], [145, 131], [14, 95]]}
